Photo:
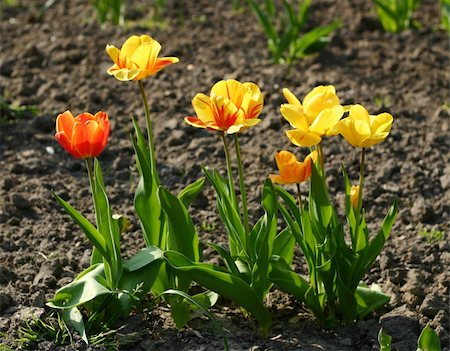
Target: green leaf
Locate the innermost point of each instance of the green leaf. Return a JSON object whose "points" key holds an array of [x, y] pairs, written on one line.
{"points": [[319, 205], [84, 289], [73, 318], [107, 226], [369, 299], [188, 195], [91, 232], [263, 20], [315, 40], [180, 311], [428, 340], [384, 340], [226, 257], [227, 285], [146, 200], [142, 258], [228, 214], [182, 234], [206, 299], [283, 245]]}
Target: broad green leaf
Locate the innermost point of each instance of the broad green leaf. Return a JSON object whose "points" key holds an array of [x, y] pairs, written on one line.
{"points": [[182, 234], [84, 289], [316, 39], [369, 299], [108, 227], [283, 245], [428, 340], [146, 201], [143, 258], [91, 232], [180, 311], [188, 195], [263, 20], [384, 340], [226, 257], [205, 299], [72, 317], [319, 205], [226, 284]]}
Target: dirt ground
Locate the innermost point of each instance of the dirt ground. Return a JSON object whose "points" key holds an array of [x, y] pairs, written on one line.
{"points": [[54, 58]]}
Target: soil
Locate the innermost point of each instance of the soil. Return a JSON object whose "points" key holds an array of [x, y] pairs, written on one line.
{"points": [[52, 57]]}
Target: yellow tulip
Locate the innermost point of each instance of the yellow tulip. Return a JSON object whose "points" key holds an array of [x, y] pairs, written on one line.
{"points": [[313, 119], [137, 59], [291, 170], [354, 195], [231, 107], [363, 130]]}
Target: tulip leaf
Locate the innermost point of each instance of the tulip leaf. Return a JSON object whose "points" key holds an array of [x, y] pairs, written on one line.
{"points": [[225, 284], [428, 340], [384, 340], [146, 200], [369, 299], [72, 317], [226, 257], [107, 226], [81, 290], [283, 245], [91, 232], [182, 234], [188, 195]]}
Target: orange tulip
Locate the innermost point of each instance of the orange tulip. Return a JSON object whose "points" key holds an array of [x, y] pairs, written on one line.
{"points": [[231, 107], [291, 170], [137, 59], [83, 136]]}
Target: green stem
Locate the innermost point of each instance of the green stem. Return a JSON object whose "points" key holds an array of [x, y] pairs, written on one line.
{"points": [[242, 183], [300, 203], [229, 170], [361, 179], [321, 159], [151, 144]]}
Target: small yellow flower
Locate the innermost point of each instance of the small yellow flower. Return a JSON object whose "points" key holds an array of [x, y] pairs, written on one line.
{"points": [[291, 170], [231, 107], [313, 119], [363, 130], [354, 195], [137, 59]]}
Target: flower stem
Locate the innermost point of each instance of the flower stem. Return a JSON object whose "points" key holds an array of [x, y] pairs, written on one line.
{"points": [[242, 183], [361, 178], [321, 158], [230, 172], [151, 144], [300, 203]]}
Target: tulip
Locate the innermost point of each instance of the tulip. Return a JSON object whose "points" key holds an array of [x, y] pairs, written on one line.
{"points": [[84, 136], [137, 59], [231, 107], [363, 130], [313, 119], [291, 170], [354, 196]]}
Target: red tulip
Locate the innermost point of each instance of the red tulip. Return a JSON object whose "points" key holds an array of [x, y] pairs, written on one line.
{"points": [[83, 136]]}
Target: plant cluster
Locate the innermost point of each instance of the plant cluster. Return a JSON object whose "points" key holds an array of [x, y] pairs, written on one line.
{"points": [[259, 254]]}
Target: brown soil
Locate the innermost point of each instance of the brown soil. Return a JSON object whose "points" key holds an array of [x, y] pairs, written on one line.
{"points": [[54, 58]]}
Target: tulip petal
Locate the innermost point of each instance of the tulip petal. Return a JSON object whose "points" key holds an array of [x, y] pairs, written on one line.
{"points": [[202, 107], [163, 62], [144, 57], [124, 74], [300, 137], [290, 97], [326, 120], [65, 122], [381, 123], [194, 121], [65, 142], [80, 141], [230, 89], [130, 46], [359, 113], [284, 157], [113, 52], [295, 116], [253, 100]]}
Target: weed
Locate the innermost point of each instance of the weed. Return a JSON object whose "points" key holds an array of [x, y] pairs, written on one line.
{"points": [[433, 235]]}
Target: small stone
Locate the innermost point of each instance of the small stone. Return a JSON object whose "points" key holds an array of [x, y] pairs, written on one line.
{"points": [[177, 137], [20, 202], [422, 211], [432, 305], [47, 273], [5, 302]]}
